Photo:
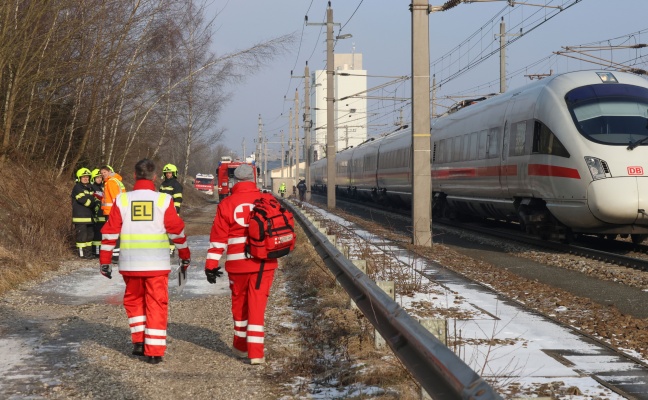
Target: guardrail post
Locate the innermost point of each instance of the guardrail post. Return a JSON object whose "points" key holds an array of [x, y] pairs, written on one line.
{"points": [[387, 287], [362, 266], [438, 327], [344, 249]]}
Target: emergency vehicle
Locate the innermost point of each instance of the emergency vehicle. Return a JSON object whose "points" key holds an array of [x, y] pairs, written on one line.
{"points": [[225, 174], [204, 183]]}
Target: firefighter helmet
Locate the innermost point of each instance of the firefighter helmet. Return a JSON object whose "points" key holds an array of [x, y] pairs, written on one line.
{"points": [[95, 173], [170, 168], [83, 172]]}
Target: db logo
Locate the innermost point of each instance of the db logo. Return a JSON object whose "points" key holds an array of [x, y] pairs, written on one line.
{"points": [[635, 171]]}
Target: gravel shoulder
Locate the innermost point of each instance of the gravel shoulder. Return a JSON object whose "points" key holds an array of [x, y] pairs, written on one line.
{"points": [[69, 350]]}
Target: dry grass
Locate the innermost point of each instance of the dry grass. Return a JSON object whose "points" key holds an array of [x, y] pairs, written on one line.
{"points": [[335, 342], [36, 229]]}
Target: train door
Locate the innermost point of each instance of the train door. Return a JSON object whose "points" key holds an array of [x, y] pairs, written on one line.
{"points": [[503, 171], [508, 169], [516, 146]]}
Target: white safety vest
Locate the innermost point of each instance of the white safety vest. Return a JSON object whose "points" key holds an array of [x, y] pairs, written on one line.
{"points": [[144, 241]]}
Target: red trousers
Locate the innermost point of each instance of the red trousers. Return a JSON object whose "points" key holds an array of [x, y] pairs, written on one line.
{"points": [[146, 301], [248, 310]]}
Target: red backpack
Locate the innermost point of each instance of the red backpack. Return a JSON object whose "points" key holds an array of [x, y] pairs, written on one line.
{"points": [[271, 229]]}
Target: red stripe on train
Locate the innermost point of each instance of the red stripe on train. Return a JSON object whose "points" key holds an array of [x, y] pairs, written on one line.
{"points": [[456, 173], [552, 170]]}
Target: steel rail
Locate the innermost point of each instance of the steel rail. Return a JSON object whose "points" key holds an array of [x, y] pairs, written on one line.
{"points": [[437, 369]]}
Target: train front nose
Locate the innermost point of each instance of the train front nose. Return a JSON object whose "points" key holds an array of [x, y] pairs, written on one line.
{"points": [[621, 200]]}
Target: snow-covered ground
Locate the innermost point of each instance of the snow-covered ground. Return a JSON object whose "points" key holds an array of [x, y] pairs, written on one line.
{"points": [[506, 344]]}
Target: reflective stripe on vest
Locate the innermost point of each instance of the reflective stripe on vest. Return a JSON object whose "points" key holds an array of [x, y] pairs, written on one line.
{"points": [[144, 241]]}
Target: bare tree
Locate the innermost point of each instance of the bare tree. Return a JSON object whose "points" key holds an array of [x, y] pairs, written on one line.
{"points": [[106, 81]]}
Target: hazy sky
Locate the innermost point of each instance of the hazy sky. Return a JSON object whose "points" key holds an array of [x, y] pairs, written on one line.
{"points": [[381, 29]]}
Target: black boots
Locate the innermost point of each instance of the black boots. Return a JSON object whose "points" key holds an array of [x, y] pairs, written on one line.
{"points": [[85, 252], [138, 349], [154, 359]]}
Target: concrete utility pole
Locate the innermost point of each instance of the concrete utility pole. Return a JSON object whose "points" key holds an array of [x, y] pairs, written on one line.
{"points": [[421, 165], [283, 154], [330, 118], [244, 154], [296, 138], [330, 121], [307, 130], [502, 35], [434, 89], [290, 143], [265, 162]]}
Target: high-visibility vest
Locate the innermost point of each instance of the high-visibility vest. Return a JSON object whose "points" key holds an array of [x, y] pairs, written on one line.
{"points": [[144, 240]]}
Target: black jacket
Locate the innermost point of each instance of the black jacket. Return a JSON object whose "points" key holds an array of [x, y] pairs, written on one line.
{"points": [[83, 203], [173, 188]]}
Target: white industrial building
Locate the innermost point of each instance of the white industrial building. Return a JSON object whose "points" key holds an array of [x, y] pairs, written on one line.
{"points": [[350, 113]]}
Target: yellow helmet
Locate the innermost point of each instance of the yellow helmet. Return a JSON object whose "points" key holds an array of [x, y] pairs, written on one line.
{"points": [[170, 168], [83, 172], [95, 173]]}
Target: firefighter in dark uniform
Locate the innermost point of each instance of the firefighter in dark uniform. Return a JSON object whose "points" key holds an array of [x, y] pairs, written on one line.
{"points": [[173, 188], [98, 218], [83, 204]]}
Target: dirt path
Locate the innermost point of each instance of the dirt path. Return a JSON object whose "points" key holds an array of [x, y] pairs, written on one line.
{"points": [[67, 337]]}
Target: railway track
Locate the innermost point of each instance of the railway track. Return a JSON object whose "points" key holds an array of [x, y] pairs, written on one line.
{"points": [[603, 250], [563, 356]]}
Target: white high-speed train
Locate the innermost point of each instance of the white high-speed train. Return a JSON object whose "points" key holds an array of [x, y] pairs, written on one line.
{"points": [[566, 154]]}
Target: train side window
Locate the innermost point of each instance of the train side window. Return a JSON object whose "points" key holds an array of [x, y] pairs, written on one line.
{"points": [[473, 146], [518, 138], [483, 143], [545, 142], [493, 143], [456, 148], [466, 148], [443, 151]]}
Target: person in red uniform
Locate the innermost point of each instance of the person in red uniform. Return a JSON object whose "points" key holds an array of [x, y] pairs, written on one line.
{"points": [[144, 220], [249, 300]]}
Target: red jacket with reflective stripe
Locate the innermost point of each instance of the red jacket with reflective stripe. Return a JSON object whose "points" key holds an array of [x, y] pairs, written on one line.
{"points": [[138, 226], [229, 231]]}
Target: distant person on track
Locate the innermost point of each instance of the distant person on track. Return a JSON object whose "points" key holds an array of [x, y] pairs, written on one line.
{"points": [[145, 220], [301, 186], [282, 189], [249, 285]]}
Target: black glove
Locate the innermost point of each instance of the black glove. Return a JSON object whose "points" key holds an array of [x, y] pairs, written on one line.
{"points": [[212, 274], [184, 264], [106, 270]]}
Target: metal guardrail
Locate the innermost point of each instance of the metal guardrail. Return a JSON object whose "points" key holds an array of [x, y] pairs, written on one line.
{"points": [[438, 370]]}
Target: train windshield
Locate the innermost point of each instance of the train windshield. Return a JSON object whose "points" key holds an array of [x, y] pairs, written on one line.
{"points": [[610, 113]]}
